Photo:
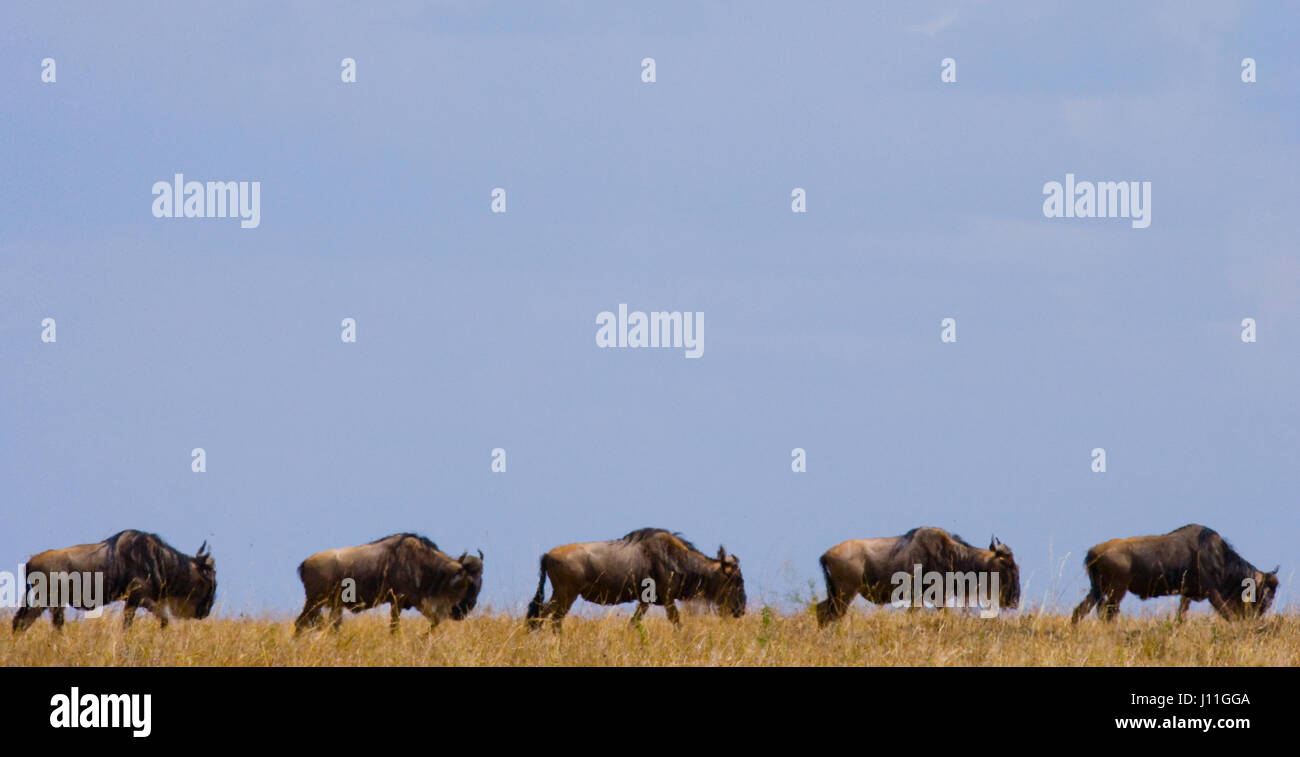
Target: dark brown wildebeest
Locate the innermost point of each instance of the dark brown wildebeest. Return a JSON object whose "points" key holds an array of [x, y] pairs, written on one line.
{"points": [[1193, 562], [402, 570], [136, 567], [869, 566], [647, 566]]}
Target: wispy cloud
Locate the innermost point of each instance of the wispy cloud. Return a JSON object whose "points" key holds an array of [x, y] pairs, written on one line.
{"points": [[933, 27]]}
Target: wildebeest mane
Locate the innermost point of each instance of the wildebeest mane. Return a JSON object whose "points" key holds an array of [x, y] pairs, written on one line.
{"points": [[675, 556], [951, 552], [910, 535], [400, 537], [643, 534]]}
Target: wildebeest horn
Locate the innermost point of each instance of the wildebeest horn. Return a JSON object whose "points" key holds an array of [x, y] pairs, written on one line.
{"points": [[202, 547], [1276, 569], [480, 554], [722, 553]]}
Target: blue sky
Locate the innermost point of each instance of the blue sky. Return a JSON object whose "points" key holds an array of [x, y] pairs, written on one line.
{"points": [[476, 330]]}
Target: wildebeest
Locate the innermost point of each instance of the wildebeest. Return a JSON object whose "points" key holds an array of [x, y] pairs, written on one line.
{"points": [[402, 570], [1193, 562], [868, 567], [136, 567], [647, 566]]}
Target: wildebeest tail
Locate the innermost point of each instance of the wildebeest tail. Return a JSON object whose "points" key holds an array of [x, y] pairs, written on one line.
{"points": [[826, 575], [535, 606], [829, 609], [1094, 575]]}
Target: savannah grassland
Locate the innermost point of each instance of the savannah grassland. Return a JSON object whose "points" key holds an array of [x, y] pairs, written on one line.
{"points": [[760, 638]]}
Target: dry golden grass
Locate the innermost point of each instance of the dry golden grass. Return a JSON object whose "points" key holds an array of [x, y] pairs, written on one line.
{"points": [[879, 637]]}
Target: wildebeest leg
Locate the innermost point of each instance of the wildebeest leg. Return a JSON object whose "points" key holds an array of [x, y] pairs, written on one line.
{"points": [[26, 616], [1221, 605], [336, 612], [310, 615], [434, 611], [834, 606], [134, 598], [56, 617], [670, 607], [641, 607], [395, 615], [1110, 605], [1183, 602], [535, 622], [159, 610], [558, 607], [128, 612], [1085, 607]]}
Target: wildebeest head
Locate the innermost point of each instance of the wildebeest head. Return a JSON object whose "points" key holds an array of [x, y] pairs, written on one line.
{"points": [[1247, 591], [472, 568], [729, 585], [1265, 591], [203, 586], [1008, 574]]}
